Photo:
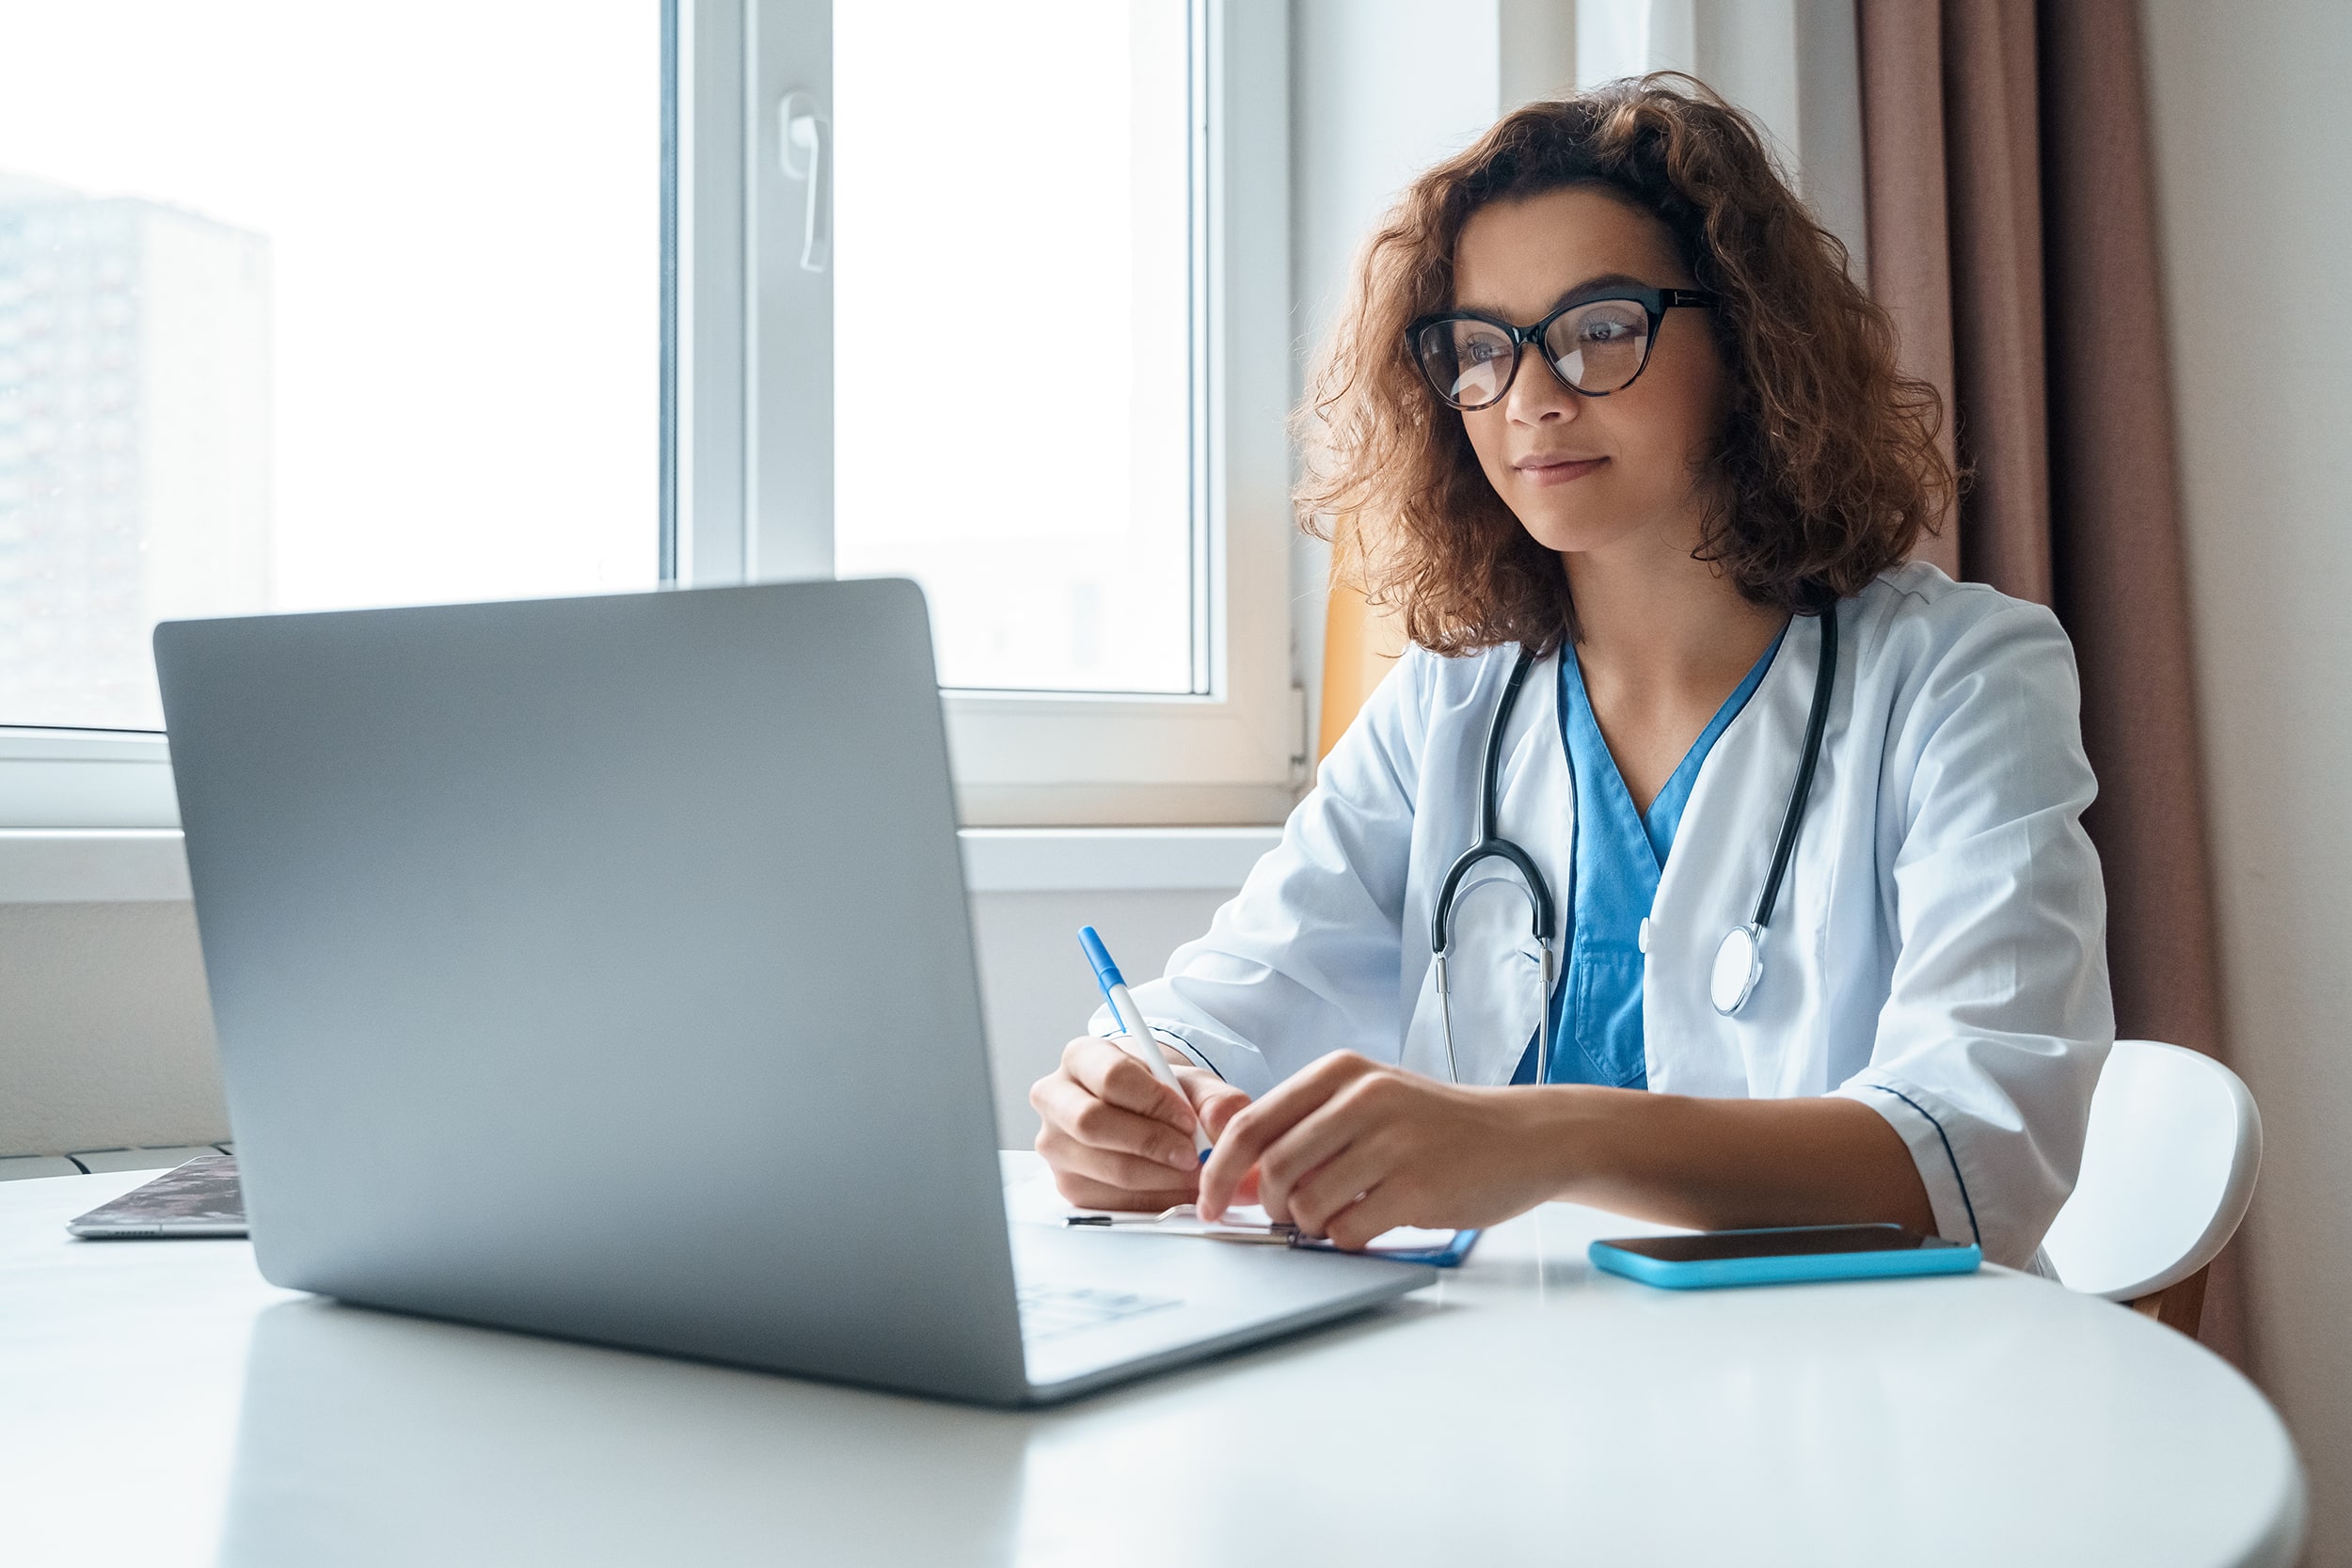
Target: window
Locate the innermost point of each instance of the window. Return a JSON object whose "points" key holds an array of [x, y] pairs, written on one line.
{"points": [[997, 297], [302, 307], [1013, 417]]}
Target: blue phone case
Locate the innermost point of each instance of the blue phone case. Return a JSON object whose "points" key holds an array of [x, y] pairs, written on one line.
{"points": [[1789, 1269]]}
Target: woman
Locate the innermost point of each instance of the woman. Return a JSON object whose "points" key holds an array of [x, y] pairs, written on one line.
{"points": [[1712, 458]]}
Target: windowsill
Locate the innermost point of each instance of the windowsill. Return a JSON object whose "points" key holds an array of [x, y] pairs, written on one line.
{"points": [[92, 865], [1102, 860], [112, 865]]}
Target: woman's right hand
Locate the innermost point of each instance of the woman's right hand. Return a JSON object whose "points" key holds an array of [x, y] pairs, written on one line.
{"points": [[1116, 1136]]}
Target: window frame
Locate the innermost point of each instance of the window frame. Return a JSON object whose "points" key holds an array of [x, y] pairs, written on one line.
{"points": [[749, 352]]}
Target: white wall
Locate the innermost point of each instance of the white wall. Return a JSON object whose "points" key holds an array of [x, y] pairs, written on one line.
{"points": [[2254, 159], [106, 1037]]}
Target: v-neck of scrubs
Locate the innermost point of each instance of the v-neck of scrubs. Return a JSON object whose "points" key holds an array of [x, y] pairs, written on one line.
{"points": [[1664, 816], [1616, 859]]}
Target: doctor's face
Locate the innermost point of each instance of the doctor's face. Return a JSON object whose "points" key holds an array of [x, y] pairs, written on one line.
{"points": [[1588, 473]]}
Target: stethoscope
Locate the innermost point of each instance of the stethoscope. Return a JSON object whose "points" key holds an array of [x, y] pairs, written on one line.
{"points": [[1738, 959]]}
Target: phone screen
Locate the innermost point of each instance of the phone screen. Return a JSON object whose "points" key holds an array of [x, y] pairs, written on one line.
{"points": [[1793, 1241]]}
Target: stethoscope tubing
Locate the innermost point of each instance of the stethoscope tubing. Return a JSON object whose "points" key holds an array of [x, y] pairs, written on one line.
{"points": [[1816, 726], [1544, 912]]}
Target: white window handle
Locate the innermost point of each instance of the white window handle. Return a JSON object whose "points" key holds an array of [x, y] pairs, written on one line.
{"points": [[808, 155]]}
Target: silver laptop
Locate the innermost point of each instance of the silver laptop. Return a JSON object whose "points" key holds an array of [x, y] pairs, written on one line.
{"points": [[601, 968]]}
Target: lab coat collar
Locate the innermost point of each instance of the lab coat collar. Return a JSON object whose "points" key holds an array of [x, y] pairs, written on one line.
{"points": [[1495, 973]]}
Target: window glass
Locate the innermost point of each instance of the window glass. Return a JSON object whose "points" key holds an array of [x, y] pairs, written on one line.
{"points": [[308, 305], [1012, 332]]}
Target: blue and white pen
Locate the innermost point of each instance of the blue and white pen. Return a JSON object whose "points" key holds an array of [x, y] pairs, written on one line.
{"points": [[1139, 1036]]}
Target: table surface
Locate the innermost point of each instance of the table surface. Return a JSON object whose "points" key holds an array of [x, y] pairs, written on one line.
{"points": [[160, 1403]]}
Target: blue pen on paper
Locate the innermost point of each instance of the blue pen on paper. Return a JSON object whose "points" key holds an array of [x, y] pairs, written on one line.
{"points": [[1139, 1036]]}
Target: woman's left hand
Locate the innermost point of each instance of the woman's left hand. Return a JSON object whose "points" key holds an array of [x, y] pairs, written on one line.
{"points": [[1348, 1149]]}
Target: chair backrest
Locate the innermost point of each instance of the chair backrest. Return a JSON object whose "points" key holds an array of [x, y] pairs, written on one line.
{"points": [[2169, 1166]]}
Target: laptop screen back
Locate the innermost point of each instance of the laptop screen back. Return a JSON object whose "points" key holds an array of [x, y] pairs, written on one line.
{"points": [[601, 967]]}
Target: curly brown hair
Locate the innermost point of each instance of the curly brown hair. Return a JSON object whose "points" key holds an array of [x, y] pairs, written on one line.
{"points": [[1827, 464]]}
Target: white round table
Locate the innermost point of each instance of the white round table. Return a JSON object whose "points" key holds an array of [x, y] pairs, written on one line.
{"points": [[160, 1403]]}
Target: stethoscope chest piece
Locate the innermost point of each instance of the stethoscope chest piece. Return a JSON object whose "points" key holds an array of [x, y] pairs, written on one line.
{"points": [[1739, 964], [1739, 959]]}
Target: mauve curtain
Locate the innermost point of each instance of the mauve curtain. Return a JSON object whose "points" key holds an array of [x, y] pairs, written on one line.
{"points": [[2012, 234]]}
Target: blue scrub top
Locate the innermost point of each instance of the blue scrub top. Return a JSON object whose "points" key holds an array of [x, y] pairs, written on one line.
{"points": [[1618, 857]]}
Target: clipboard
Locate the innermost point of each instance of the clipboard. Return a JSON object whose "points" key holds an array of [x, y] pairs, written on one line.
{"points": [[1439, 1249], [1446, 1254]]}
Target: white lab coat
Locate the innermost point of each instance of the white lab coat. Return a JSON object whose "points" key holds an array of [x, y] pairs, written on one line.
{"points": [[1938, 952]]}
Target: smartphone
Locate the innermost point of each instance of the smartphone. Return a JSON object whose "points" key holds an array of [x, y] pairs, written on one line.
{"points": [[200, 1198], [1783, 1255]]}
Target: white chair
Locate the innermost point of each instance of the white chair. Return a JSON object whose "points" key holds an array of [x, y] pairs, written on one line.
{"points": [[2169, 1166]]}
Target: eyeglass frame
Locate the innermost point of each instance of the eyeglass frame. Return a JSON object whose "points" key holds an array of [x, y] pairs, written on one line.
{"points": [[1655, 303]]}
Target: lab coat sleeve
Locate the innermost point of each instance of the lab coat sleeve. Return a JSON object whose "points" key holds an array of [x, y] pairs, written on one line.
{"points": [[1998, 1018], [1304, 961]]}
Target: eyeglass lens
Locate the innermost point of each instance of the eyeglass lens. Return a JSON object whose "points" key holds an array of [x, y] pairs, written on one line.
{"points": [[1596, 348]]}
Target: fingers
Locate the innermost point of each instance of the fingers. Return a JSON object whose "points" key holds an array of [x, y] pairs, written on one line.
{"points": [[1082, 1120], [1112, 1167], [1085, 1192], [1342, 1147], [1094, 1178], [1112, 1073], [1257, 1126], [1363, 1222], [1214, 1100], [1115, 1137], [1311, 1186]]}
